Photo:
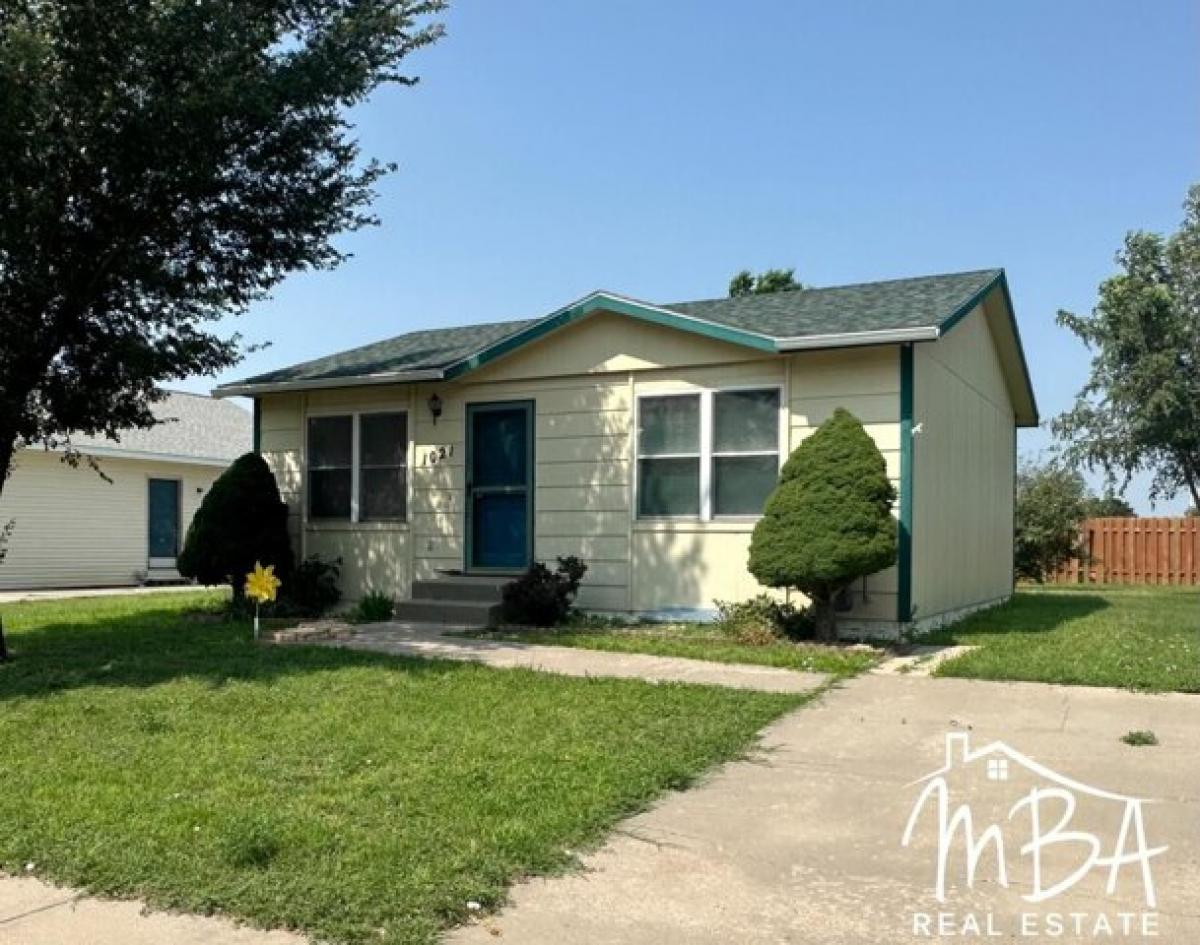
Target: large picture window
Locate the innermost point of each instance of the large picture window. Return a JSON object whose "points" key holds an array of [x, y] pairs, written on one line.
{"points": [[707, 455], [357, 467]]}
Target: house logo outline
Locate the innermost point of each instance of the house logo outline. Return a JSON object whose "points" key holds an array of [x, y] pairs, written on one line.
{"points": [[998, 755]]}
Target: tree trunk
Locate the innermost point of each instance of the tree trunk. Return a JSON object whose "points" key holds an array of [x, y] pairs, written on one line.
{"points": [[1194, 488], [825, 618]]}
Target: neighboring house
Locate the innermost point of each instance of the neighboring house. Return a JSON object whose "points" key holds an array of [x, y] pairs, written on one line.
{"points": [[75, 529], [644, 438]]}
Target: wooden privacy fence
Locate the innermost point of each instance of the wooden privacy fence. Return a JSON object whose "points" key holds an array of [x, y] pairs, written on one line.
{"points": [[1137, 551]]}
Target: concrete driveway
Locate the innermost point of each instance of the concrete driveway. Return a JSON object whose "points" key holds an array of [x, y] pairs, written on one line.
{"points": [[803, 844]]}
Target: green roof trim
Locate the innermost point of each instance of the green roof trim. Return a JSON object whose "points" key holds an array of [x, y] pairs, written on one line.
{"points": [[608, 302], [1012, 323], [967, 307]]}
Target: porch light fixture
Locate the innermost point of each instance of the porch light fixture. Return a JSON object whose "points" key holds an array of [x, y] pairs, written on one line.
{"points": [[435, 407]]}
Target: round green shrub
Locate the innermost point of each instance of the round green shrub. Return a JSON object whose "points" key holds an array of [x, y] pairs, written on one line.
{"points": [[241, 521], [829, 519]]}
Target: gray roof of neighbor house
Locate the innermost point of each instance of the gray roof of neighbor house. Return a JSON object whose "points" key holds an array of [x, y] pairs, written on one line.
{"points": [[897, 310], [191, 428]]}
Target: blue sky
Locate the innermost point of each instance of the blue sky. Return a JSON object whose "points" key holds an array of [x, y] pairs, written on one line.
{"points": [[655, 148]]}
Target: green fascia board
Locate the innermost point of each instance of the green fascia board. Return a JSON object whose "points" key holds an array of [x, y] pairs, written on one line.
{"points": [[604, 301], [968, 306], [904, 538], [1012, 321], [999, 281]]}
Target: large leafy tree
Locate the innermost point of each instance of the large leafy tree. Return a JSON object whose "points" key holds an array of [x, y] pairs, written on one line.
{"points": [[1140, 409], [765, 282], [829, 519], [164, 163]]}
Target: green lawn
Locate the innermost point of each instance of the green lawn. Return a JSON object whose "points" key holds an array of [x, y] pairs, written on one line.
{"points": [[1131, 637], [704, 642], [145, 752]]}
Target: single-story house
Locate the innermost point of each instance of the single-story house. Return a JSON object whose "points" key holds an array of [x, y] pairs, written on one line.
{"points": [[644, 438], [76, 528]]}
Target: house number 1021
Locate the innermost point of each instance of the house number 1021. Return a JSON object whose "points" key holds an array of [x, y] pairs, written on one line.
{"points": [[439, 454]]}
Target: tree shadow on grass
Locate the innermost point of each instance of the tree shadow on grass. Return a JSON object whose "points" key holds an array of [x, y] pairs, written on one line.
{"points": [[1027, 612], [152, 647]]}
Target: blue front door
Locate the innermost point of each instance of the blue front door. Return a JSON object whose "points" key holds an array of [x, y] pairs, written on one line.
{"points": [[499, 486], [163, 520]]}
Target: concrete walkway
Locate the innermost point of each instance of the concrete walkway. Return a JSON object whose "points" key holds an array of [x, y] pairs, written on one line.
{"points": [[438, 642], [803, 845], [68, 593], [35, 913], [920, 660]]}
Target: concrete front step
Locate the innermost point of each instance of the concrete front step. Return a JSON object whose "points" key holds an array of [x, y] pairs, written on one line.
{"points": [[480, 613], [461, 588]]}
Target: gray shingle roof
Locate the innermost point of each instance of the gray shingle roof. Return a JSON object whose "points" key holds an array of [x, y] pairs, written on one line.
{"points": [[191, 426], [417, 351], [866, 306], [925, 301]]}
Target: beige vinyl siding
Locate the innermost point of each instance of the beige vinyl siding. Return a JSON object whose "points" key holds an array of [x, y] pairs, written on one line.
{"points": [[680, 564], [963, 472], [280, 436], [375, 555], [690, 566], [581, 479], [606, 343], [74, 529], [865, 381], [584, 381]]}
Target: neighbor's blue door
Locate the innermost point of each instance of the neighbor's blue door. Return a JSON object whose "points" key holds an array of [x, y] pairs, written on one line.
{"points": [[499, 486], [163, 516]]}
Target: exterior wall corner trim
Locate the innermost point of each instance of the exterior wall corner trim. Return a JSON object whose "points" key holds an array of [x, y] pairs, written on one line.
{"points": [[904, 538]]}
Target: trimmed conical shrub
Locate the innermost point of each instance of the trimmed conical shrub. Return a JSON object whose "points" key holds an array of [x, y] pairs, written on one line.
{"points": [[829, 519], [241, 521]]}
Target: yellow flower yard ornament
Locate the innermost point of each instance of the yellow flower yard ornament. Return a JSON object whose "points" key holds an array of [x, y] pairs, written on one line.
{"points": [[261, 587]]}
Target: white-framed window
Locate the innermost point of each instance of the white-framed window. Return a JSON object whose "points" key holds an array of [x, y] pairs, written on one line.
{"points": [[707, 454], [745, 450], [357, 466]]}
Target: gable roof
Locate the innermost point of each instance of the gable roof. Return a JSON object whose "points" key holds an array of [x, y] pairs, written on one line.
{"points": [[888, 312], [192, 428]]}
